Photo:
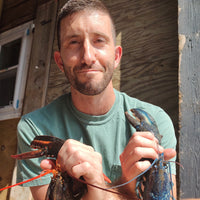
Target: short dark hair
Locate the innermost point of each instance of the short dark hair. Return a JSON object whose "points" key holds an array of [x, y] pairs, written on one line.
{"points": [[74, 6]]}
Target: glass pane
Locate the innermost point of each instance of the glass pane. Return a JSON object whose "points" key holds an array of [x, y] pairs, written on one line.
{"points": [[7, 87], [9, 55]]}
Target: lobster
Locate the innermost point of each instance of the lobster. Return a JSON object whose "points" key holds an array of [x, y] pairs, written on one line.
{"points": [[155, 183]]}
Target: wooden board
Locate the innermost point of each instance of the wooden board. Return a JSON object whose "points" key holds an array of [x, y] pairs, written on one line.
{"points": [[40, 57], [189, 35], [8, 147], [149, 66], [57, 83], [15, 13]]}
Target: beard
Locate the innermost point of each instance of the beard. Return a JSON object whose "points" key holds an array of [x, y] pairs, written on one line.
{"points": [[89, 85]]}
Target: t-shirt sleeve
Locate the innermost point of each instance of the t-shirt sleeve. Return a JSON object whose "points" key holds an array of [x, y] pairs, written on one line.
{"points": [[28, 168]]}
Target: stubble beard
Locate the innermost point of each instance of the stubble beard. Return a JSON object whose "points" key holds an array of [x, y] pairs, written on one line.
{"points": [[90, 87]]}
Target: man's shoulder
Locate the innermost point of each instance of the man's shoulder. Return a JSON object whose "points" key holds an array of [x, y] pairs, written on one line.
{"points": [[49, 110], [127, 102], [133, 102]]}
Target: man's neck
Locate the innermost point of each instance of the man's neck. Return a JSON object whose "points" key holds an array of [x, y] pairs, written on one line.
{"points": [[94, 105]]}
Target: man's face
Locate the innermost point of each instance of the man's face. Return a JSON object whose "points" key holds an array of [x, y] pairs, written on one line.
{"points": [[88, 54]]}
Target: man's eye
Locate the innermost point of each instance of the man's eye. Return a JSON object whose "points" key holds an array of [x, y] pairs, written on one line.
{"points": [[100, 40], [74, 42]]}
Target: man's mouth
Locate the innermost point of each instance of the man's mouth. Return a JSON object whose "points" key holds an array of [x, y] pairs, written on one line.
{"points": [[87, 69]]}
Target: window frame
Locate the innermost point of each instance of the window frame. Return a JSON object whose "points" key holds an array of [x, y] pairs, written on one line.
{"points": [[25, 32]]}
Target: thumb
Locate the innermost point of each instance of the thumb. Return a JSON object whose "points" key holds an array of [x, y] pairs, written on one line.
{"points": [[169, 154], [47, 164]]}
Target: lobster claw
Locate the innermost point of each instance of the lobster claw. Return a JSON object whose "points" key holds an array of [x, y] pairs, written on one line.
{"points": [[48, 146], [143, 121]]}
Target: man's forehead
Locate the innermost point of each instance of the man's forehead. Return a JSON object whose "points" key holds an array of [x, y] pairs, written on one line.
{"points": [[85, 19], [96, 15]]}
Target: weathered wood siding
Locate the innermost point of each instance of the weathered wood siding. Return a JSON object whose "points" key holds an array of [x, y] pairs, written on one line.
{"points": [[18, 12], [8, 146], [189, 73], [41, 56], [15, 13], [149, 67]]}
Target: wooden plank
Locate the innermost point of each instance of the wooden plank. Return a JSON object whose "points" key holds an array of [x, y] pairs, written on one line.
{"points": [[149, 65], [1, 7], [57, 83], [8, 146], [189, 59], [40, 57], [16, 13]]}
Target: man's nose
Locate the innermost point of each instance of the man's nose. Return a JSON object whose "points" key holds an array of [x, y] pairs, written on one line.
{"points": [[88, 56]]}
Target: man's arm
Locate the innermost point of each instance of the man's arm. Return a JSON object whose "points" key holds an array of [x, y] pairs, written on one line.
{"points": [[39, 192], [174, 186]]}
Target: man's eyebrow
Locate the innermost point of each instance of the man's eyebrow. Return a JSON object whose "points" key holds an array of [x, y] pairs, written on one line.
{"points": [[67, 37], [96, 33], [101, 35]]}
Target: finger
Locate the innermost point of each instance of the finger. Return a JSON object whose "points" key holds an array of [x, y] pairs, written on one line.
{"points": [[137, 154], [146, 134], [140, 167], [77, 144], [78, 157], [135, 170], [140, 141], [91, 175], [72, 150], [169, 154], [47, 164]]}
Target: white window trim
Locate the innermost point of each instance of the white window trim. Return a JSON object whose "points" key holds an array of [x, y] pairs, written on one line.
{"points": [[25, 32]]}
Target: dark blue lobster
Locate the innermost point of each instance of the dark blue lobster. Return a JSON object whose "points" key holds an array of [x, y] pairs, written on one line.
{"points": [[156, 182]]}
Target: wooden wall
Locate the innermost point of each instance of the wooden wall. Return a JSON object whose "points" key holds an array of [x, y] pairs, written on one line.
{"points": [[189, 83], [149, 67], [8, 146], [15, 13]]}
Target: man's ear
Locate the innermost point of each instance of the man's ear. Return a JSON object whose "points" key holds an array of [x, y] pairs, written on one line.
{"points": [[118, 55], [58, 60]]}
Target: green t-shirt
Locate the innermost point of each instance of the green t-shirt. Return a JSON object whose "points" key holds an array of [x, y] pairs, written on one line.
{"points": [[108, 134]]}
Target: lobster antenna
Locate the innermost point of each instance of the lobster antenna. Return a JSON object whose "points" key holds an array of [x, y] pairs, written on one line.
{"points": [[123, 184], [26, 181]]}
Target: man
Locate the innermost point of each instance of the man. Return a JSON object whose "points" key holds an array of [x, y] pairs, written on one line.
{"points": [[91, 118]]}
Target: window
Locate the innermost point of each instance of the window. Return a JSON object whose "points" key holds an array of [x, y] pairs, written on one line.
{"points": [[15, 47]]}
